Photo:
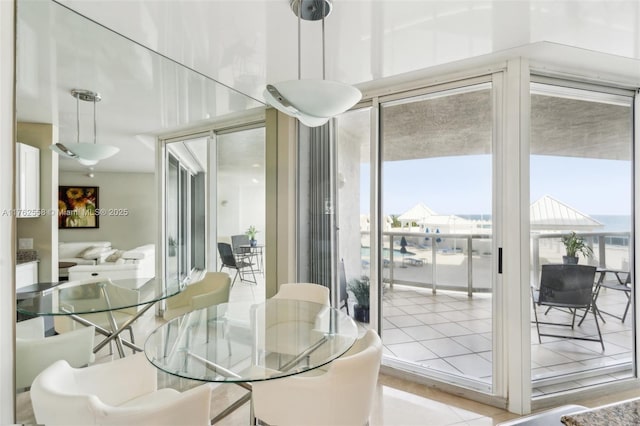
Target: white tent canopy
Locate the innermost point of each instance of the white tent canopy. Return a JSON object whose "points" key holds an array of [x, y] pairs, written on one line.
{"points": [[549, 214]]}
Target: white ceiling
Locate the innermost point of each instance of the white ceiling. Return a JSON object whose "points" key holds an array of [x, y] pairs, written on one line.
{"points": [[245, 43]]}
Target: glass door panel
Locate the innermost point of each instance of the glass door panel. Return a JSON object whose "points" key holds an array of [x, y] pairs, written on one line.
{"points": [[438, 256], [241, 198], [581, 175], [353, 181], [185, 208]]}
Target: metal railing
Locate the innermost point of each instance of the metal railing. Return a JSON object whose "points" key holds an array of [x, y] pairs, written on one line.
{"points": [[430, 256]]}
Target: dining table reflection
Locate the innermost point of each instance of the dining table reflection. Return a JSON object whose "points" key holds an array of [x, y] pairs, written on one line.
{"points": [[111, 306]]}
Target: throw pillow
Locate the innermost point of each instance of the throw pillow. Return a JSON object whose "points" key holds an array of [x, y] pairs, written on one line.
{"points": [[113, 257], [94, 252], [84, 251]]}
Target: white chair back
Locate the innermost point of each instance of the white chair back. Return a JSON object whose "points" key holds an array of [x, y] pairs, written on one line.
{"points": [[343, 395], [121, 392], [304, 291], [35, 352]]}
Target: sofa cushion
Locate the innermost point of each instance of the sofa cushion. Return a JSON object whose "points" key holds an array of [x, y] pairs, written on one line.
{"points": [[95, 252], [137, 263], [73, 249]]}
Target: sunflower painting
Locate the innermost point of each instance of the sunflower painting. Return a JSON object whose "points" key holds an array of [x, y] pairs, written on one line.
{"points": [[77, 207]]}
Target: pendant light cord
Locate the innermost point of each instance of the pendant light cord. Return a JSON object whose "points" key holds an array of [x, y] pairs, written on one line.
{"points": [[299, 36], [95, 126], [77, 119], [324, 4]]}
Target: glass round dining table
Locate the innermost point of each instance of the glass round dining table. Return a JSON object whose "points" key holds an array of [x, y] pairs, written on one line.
{"points": [[240, 343], [82, 300]]}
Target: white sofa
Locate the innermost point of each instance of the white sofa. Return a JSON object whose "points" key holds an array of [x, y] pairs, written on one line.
{"points": [[82, 253], [137, 264]]}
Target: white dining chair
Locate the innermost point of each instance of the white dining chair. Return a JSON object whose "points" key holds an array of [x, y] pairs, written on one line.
{"points": [[309, 292], [120, 392], [35, 352], [343, 395], [213, 289]]}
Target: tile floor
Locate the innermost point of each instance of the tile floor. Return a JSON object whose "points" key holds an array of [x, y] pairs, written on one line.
{"points": [[447, 332], [452, 333]]}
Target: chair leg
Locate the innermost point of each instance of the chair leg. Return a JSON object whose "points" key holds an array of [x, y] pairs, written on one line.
{"points": [[234, 278], [595, 317], [626, 310]]}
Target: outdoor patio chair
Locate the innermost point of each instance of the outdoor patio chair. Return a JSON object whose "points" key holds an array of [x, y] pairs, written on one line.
{"points": [[240, 244], [344, 295], [568, 287], [618, 284], [231, 261]]}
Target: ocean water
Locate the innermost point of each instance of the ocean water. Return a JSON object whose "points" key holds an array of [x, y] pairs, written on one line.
{"points": [[612, 223]]}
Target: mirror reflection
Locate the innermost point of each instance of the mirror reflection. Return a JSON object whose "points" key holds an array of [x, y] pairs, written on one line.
{"points": [[109, 228]]}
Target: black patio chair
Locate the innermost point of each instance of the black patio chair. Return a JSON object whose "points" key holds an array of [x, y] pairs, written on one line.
{"points": [[344, 295], [231, 261], [568, 287], [618, 284]]}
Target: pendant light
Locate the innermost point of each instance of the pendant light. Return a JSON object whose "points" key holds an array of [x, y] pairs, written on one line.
{"points": [[87, 154], [311, 101]]}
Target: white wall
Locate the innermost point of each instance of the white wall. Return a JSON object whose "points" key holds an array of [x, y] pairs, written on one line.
{"points": [[135, 192], [7, 222], [239, 206], [44, 229]]}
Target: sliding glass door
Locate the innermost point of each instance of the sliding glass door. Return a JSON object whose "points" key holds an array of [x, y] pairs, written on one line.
{"points": [[185, 209], [240, 203], [581, 180], [437, 244]]}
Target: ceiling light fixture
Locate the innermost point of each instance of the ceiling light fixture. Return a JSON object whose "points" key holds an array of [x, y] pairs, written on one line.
{"points": [[311, 101], [87, 154]]}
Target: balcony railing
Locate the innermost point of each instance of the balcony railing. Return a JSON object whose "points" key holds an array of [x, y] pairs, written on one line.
{"points": [[466, 262]]}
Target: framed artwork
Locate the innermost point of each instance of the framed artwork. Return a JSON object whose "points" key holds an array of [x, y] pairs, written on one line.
{"points": [[77, 207]]}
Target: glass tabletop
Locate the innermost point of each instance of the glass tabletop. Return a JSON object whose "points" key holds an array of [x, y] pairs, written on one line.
{"points": [[232, 342], [97, 295]]}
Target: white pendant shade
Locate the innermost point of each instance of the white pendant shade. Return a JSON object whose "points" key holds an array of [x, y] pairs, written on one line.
{"points": [[313, 102], [91, 151], [87, 154]]}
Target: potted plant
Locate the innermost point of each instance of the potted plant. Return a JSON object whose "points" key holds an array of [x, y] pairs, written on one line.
{"points": [[575, 245], [360, 290], [172, 246], [251, 233]]}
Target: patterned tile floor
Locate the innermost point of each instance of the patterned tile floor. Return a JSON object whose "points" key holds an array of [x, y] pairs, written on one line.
{"points": [[452, 333]]}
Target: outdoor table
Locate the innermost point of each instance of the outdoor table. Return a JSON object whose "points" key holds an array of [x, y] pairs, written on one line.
{"points": [[257, 251]]}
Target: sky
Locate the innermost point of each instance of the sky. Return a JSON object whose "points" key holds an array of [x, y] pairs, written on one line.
{"points": [[462, 184]]}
